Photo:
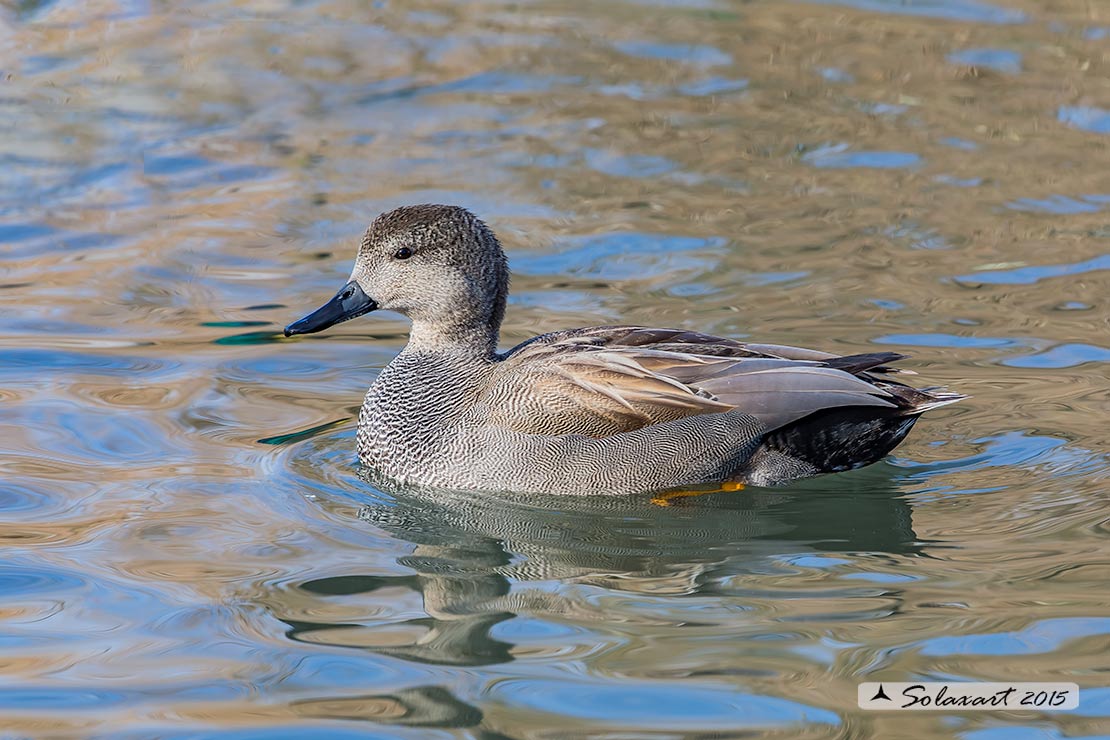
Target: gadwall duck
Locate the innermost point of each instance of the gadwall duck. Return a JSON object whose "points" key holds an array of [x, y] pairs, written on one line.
{"points": [[604, 409]]}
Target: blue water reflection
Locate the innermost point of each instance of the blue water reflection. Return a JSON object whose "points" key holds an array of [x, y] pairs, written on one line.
{"points": [[1095, 120], [1000, 60]]}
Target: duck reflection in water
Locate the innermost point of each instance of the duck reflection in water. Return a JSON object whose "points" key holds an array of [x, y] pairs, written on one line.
{"points": [[470, 549]]}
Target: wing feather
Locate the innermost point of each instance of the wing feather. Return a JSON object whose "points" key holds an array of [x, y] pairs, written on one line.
{"points": [[604, 380]]}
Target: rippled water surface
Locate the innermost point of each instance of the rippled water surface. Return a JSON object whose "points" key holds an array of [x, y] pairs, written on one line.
{"points": [[181, 179]]}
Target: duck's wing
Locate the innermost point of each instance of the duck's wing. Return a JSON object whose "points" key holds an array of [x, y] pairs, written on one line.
{"points": [[604, 380], [574, 387]]}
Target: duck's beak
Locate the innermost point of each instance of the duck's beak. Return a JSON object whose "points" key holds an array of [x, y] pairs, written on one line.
{"points": [[347, 304]]}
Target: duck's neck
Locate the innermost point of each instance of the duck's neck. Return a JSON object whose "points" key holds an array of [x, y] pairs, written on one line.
{"points": [[469, 341]]}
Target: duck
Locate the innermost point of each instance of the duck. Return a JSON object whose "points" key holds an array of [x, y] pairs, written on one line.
{"points": [[592, 410]]}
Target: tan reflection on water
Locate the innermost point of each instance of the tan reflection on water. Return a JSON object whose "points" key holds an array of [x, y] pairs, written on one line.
{"points": [[183, 180]]}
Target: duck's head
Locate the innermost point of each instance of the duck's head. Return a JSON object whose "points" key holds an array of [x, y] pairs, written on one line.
{"points": [[439, 265]]}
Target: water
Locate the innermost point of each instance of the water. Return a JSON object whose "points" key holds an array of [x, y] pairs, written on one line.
{"points": [[181, 180]]}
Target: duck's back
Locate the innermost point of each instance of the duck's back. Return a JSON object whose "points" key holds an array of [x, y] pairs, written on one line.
{"points": [[600, 381]]}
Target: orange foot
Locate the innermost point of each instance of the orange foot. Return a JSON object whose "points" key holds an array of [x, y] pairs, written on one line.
{"points": [[668, 498]]}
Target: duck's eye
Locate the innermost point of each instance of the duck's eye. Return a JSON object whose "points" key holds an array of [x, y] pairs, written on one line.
{"points": [[403, 253]]}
